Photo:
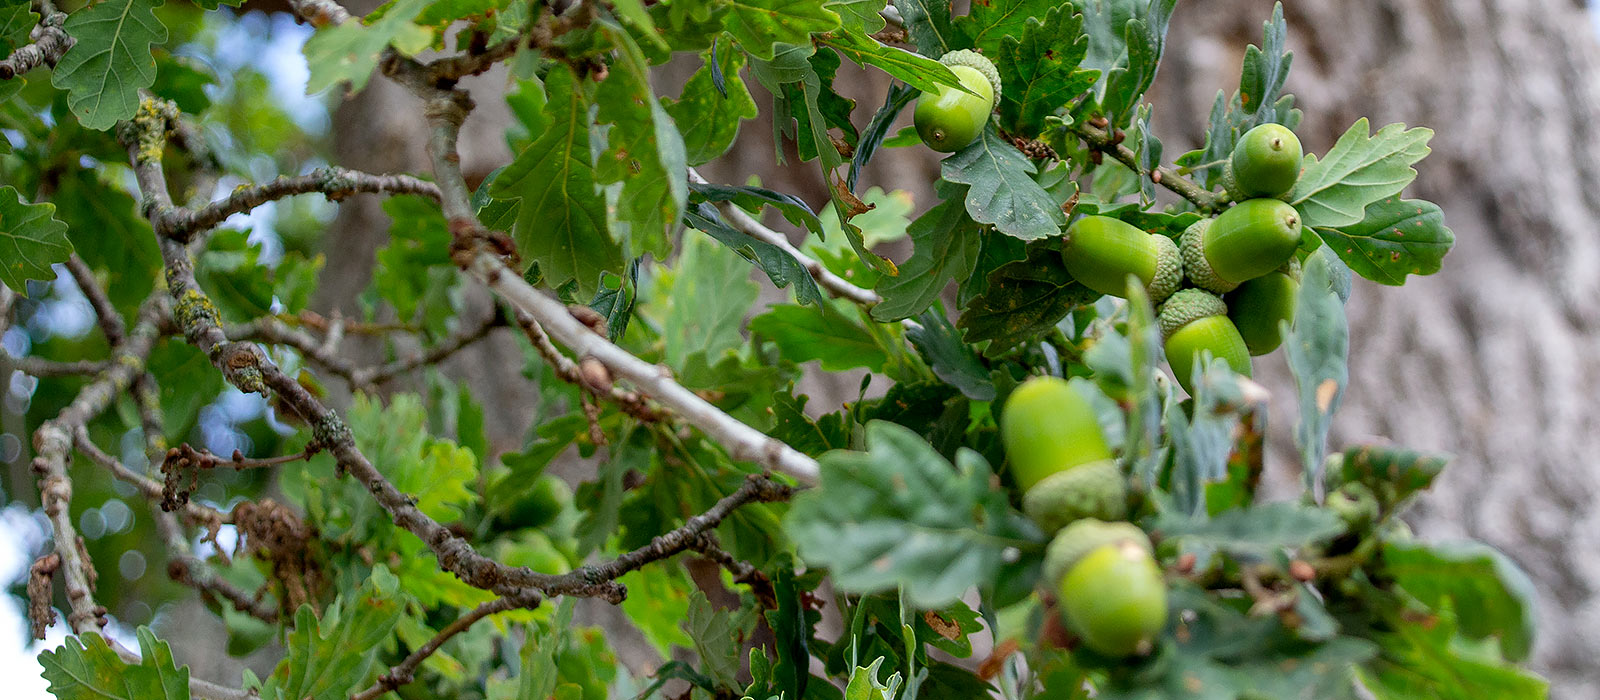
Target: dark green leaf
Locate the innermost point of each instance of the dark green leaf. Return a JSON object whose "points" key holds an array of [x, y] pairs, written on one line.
{"points": [[900, 515], [1039, 68], [990, 21], [1023, 299], [709, 112], [616, 304], [644, 152], [110, 63], [781, 267], [793, 209], [819, 332], [945, 249], [860, 16], [1428, 661], [107, 231], [929, 25], [31, 240], [950, 358], [922, 73], [797, 430], [872, 137], [1002, 193], [561, 221], [1265, 68]]}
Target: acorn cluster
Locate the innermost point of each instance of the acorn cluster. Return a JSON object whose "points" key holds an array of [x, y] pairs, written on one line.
{"points": [[1224, 288], [1228, 282]]}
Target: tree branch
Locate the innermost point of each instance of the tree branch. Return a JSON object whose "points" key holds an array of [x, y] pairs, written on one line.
{"points": [[461, 338], [53, 445], [148, 487], [50, 43], [405, 671], [335, 183], [630, 401], [1099, 139]]}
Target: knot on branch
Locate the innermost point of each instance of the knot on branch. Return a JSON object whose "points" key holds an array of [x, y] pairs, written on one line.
{"points": [[241, 366], [467, 237], [41, 615], [272, 533]]}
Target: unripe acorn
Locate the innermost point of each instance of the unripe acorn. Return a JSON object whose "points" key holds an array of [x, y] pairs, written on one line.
{"points": [[1248, 240], [1100, 252], [1093, 490], [1193, 321], [1048, 427], [1075, 541], [1258, 306], [1115, 599], [1265, 163], [950, 119]]}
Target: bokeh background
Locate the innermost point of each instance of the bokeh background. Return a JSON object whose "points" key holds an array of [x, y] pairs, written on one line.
{"points": [[1494, 359]]}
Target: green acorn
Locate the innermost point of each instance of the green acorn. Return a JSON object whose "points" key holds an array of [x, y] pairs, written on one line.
{"points": [[1248, 240], [1076, 540], [1100, 252], [1265, 163], [1093, 490], [1193, 321], [1048, 427], [1259, 305], [1113, 595], [950, 119]]}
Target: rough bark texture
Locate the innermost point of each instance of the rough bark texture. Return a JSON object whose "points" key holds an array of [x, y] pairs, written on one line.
{"points": [[1494, 358]]}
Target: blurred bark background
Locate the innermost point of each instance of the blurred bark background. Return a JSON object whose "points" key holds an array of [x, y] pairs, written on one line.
{"points": [[1493, 359]]}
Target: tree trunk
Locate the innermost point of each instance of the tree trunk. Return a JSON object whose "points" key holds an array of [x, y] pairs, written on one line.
{"points": [[1493, 358]]}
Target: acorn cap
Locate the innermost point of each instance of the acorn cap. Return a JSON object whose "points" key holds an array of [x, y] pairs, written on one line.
{"points": [[1187, 306], [1083, 536], [1195, 265], [1093, 490], [1169, 269], [976, 61]]}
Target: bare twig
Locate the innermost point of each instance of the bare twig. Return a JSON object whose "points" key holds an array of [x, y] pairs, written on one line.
{"points": [[405, 671], [148, 487], [582, 581], [335, 183], [1202, 198], [630, 401], [106, 315], [461, 338], [53, 445]]}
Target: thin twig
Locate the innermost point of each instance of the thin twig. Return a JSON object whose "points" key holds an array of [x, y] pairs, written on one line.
{"points": [[405, 671], [334, 183], [53, 445], [111, 325], [461, 338], [1201, 197], [630, 402], [148, 487]]}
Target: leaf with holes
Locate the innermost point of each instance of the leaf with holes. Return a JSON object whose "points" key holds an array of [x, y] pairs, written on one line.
{"points": [[1396, 237]]}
